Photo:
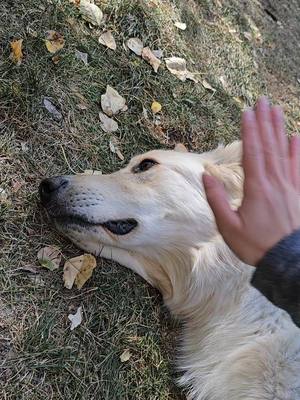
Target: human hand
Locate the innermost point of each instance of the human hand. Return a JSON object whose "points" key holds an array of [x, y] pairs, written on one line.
{"points": [[270, 207]]}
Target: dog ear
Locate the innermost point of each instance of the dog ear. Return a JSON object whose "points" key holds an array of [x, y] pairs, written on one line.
{"points": [[231, 175], [180, 147]]}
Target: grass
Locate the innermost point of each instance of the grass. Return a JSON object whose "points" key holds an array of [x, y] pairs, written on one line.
{"points": [[40, 357]]}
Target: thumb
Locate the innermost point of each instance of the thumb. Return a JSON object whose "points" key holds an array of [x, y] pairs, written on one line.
{"points": [[226, 218]]}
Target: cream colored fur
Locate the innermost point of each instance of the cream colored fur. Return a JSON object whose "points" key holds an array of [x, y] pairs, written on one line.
{"points": [[235, 344]]}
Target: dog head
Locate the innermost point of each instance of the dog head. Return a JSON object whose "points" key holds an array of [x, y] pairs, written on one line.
{"points": [[156, 202]]}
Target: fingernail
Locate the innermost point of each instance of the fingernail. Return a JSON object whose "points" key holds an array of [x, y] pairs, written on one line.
{"points": [[208, 180]]}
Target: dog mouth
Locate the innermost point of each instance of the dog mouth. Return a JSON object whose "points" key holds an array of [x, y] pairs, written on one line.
{"points": [[117, 227]]}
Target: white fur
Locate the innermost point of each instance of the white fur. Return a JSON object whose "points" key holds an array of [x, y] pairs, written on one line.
{"points": [[235, 344]]}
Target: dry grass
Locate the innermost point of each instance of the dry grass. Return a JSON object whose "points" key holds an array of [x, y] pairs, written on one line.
{"points": [[40, 357]]}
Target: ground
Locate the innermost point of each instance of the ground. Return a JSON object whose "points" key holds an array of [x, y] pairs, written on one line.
{"points": [[243, 49]]}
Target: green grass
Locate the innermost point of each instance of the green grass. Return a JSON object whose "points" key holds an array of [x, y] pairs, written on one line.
{"points": [[40, 357]]}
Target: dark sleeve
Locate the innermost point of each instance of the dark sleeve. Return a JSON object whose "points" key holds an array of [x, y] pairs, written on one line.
{"points": [[277, 275]]}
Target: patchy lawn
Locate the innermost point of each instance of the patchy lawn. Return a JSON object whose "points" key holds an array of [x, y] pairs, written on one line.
{"points": [[243, 49]]}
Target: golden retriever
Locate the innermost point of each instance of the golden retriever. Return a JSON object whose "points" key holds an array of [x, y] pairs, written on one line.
{"points": [[153, 218]]}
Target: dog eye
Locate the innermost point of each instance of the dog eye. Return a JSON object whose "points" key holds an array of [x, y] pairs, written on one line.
{"points": [[144, 165]]}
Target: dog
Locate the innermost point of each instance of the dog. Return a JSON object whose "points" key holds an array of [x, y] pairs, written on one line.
{"points": [[153, 217]]}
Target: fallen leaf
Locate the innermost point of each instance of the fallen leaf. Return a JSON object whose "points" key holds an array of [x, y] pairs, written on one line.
{"points": [[145, 113], [135, 45], [207, 86], [112, 102], [50, 107], [81, 56], [75, 319], [32, 32], [49, 257], [55, 59], [16, 54], [90, 12], [79, 270], [156, 107], [16, 186], [107, 124], [108, 40], [223, 82], [177, 67], [114, 147], [3, 196], [24, 147], [148, 56], [158, 53], [54, 41], [248, 36], [180, 25], [125, 356]]}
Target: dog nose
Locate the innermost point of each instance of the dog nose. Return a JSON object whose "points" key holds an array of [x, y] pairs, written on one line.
{"points": [[50, 187]]}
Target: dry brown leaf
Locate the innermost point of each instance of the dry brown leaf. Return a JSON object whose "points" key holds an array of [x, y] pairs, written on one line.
{"points": [[75, 319], [156, 107], [114, 147], [16, 54], [148, 56], [55, 59], [50, 107], [78, 270], [180, 25], [91, 12], [125, 356], [177, 67], [107, 124], [208, 86], [81, 56], [49, 257], [108, 40], [54, 41], [135, 45], [112, 102]]}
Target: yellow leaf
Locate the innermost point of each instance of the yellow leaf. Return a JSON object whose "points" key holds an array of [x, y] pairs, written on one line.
{"points": [[79, 270], [156, 107], [16, 54], [49, 257], [54, 41]]}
